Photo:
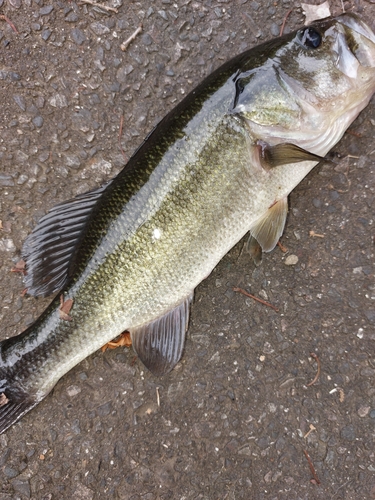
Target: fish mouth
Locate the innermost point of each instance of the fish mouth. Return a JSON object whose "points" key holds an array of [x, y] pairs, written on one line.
{"points": [[356, 24], [354, 45]]}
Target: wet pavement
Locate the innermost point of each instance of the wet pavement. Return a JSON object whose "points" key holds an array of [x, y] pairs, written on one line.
{"points": [[236, 417]]}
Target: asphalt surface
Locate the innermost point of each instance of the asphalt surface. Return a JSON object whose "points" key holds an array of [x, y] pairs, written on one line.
{"points": [[231, 420]]}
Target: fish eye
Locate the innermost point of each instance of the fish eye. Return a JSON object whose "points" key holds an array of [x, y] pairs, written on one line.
{"points": [[310, 38]]}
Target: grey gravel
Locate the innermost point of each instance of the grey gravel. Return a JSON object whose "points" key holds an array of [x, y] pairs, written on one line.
{"points": [[234, 413], [275, 29], [78, 36], [38, 121], [99, 28], [44, 11], [20, 100]]}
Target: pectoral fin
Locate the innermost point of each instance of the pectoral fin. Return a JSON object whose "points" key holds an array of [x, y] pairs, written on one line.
{"points": [[159, 344], [282, 154], [268, 228]]}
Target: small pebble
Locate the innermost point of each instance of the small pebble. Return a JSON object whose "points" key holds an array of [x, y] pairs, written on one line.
{"points": [[58, 101], [363, 411], [348, 433], [275, 30], [291, 260], [22, 487], [7, 245], [99, 28], [44, 11], [46, 34], [317, 203], [163, 14], [20, 101], [77, 36], [73, 390], [6, 180], [71, 17], [38, 121], [146, 39]]}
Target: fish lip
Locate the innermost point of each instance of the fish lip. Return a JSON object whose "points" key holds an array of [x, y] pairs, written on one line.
{"points": [[355, 23], [354, 45]]}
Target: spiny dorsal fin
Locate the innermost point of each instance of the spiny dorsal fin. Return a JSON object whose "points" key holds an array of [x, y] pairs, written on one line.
{"points": [[49, 250], [270, 226], [159, 344], [282, 154]]}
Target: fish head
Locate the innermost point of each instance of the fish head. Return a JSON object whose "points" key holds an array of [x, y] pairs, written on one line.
{"points": [[312, 86]]}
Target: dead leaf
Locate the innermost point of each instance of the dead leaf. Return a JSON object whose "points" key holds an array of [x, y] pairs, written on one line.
{"points": [[65, 307], [315, 12], [3, 399], [20, 267], [124, 340]]}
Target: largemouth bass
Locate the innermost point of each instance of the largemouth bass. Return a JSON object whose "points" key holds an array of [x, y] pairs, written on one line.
{"points": [[128, 256]]}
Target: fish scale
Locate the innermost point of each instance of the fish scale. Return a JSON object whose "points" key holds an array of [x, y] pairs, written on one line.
{"points": [[130, 254]]}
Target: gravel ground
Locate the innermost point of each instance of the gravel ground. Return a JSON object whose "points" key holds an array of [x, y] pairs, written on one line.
{"points": [[234, 414]]}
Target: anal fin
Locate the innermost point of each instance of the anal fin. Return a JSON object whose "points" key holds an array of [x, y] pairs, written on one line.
{"points": [[159, 344], [270, 226], [254, 249]]}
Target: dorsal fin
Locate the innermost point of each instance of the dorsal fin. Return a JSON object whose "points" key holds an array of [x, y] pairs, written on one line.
{"points": [[270, 226], [49, 250], [159, 344]]}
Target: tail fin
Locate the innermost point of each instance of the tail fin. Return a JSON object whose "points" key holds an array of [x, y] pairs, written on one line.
{"points": [[10, 412], [14, 401]]}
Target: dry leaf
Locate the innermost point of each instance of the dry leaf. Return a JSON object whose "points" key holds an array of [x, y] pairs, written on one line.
{"points": [[65, 307], [123, 340], [314, 12]]}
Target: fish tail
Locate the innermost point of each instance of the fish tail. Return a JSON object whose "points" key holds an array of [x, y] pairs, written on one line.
{"points": [[14, 401]]}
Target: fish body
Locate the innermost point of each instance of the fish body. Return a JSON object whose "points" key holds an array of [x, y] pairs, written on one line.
{"points": [[129, 255]]}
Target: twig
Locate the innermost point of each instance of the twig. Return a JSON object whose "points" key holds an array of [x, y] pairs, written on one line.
{"points": [[157, 396], [285, 18], [312, 428], [133, 361], [341, 393], [119, 138], [356, 134], [282, 248], [313, 355], [240, 290], [5, 18], [104, 7], [313, 234], [312, 469], [127, 42], [338, 489]]}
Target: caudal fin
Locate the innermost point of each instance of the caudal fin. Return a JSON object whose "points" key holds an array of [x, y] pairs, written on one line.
{"points": [[14, 400], [10, 411]]}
